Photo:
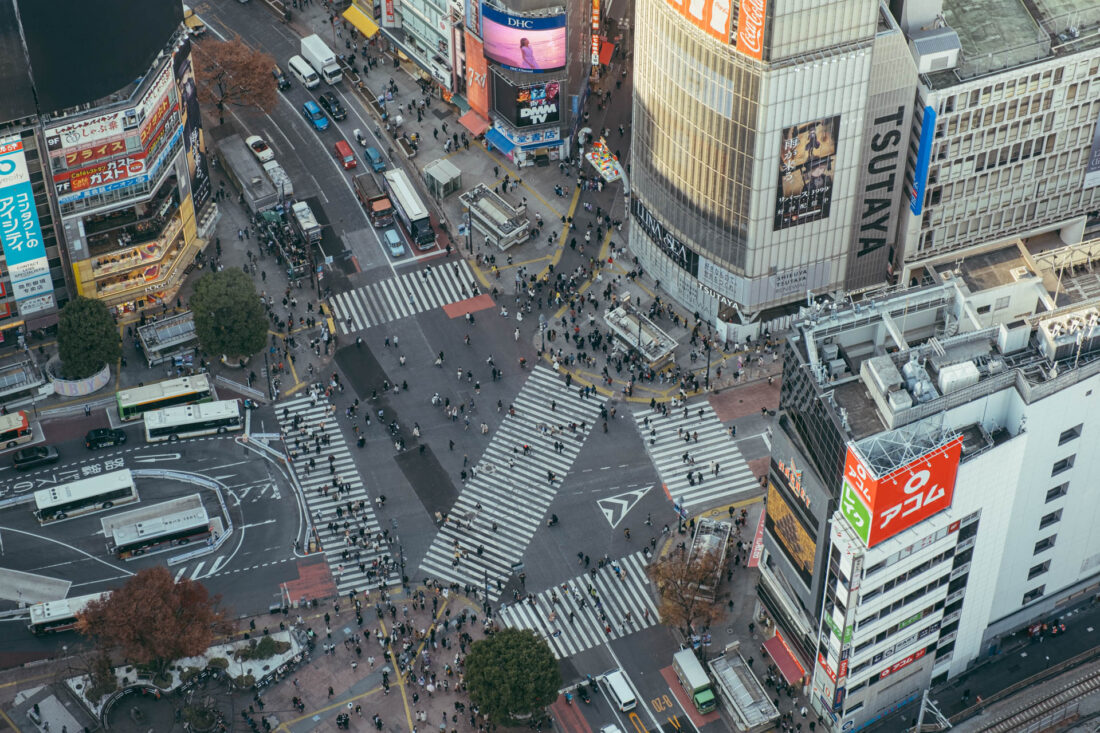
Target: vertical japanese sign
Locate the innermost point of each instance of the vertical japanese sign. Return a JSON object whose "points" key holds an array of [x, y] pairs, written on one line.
{"points": [[477, 75], [21, 233], [1092, 170], [595, 32], [807, 162], [879, 508]]}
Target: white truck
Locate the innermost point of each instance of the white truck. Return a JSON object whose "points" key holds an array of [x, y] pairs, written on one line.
{"points": [[306, 222], [279, 179], [317, 53]]}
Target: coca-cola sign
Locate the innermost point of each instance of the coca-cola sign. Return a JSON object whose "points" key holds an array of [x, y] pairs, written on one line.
{"points": [[750, 28]]}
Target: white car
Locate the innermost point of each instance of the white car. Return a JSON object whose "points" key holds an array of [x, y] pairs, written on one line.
{"points": [[259, 148]]}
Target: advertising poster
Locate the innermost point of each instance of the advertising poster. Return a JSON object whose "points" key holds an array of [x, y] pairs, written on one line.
{"points": [[523, 43], [879, 508], [193, 139], [806, 165], [710, 16], [477, 76], [750, 28], [788, 531], [21, 233], [473, 17], [1092, 170]]}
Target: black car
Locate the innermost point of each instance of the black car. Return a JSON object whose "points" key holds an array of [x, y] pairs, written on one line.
{"points": [[103, 438], [37, 455], [331, 104]]}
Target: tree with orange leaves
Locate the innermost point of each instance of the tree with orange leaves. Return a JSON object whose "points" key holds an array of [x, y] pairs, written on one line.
{"points": [[685, 589], [233, 73], [153, 620]]}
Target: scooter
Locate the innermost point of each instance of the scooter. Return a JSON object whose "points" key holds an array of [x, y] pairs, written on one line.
{"points": [[359, 137]]}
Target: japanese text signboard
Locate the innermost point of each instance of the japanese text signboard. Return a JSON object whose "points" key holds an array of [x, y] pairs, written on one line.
{"points": [[20, 232], [879, 508]]}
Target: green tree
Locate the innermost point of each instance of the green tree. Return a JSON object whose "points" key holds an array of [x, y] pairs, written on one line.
{"points": [[229, 319], [512, 674], [153, 620], [87, 338]]}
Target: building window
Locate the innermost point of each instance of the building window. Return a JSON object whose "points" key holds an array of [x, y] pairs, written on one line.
{"points": [[1049, 519], [1037, 570], [1063, 465], [1072, 434], [1044, 544], [1034, 593], [1057, 492]]}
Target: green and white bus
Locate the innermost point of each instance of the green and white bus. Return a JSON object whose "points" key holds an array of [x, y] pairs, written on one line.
{"points": [[135, 402], [93, 494], [191, 421]]}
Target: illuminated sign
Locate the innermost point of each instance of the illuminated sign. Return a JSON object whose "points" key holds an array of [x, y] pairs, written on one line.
{"points": [[21, 233], [794, 538], [794, 480], [595, 32]]}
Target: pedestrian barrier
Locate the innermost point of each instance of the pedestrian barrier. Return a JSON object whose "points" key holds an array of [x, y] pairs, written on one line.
{"points": [[202, 482], [243, 389]]}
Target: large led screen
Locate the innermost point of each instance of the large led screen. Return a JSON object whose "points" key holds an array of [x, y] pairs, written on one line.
{"points": [[523, 43]]}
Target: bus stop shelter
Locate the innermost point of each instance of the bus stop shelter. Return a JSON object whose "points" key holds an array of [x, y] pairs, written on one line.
{"points": [[28, 588]]}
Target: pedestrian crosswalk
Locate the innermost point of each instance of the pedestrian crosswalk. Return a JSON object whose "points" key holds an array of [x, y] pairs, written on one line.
{"points": [[404, 295], [506, 500], [692, 440], [359, 552], [612, 602]]}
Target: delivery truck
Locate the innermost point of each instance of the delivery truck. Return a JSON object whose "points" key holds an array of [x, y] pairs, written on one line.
{"points": [[374, 200], [317, 53], [306, 222], [694, 680]]}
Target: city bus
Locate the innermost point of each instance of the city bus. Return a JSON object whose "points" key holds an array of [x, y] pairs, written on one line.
{"points": [[160, 533], [86, 495], [133, 403], [410, 208], [15, 428], [191, 421], [54, 616]]}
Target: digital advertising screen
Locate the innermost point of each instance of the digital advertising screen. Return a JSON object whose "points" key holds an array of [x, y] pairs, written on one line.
{"points": [[539, 104], [797, 543], [523, 43]]}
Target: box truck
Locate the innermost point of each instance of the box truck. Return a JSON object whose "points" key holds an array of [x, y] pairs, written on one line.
{"points": [[321, 58], [694, 680]]}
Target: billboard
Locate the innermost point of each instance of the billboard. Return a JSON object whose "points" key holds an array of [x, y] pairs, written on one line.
{"points": [[1092, 170], [477, 76], [710, 16], [924, 157], [100, 174], [750, 28], [792, 536], [669, 243], [193, 140], [523, 43], [595, 32], [473, 17], [539, 104], [879, 508], [89, 132], [21, 233], [806, 165]]}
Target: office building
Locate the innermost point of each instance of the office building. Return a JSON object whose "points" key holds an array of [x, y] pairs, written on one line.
{"points": [[115, 142], [934, 499], [1006, 142]]}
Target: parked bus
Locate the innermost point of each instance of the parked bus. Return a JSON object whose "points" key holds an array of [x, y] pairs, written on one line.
{"points": [[160, 533], [15, 428], [86, 495], [54, 616], [133, 403], [191, 421], [410, 208]]}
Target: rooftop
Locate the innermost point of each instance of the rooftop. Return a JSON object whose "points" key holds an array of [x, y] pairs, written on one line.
{"points": [[1003, 34]]}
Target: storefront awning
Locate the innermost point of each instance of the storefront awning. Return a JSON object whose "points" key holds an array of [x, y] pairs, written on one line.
{"points": [[606, 50], [361, 21], [784, 658], [474, 122], [497, 139]]}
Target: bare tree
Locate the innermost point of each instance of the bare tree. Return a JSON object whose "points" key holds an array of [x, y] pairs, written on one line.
{"points": [[233, 73], [685, 589]]}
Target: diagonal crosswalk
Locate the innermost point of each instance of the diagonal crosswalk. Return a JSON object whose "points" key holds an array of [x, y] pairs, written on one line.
{"points": [[500, 508], [359, 554], [406, 295], [702, 437], [583, 612]]}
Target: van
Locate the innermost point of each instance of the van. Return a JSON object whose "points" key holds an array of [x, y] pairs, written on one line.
{"points": [[619, 690], [377, 163], [304, 72], [693, 678], [343, 154]]}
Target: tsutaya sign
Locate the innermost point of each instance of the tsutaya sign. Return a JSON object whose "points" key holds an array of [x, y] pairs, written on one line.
{"points": [[880, 507]]}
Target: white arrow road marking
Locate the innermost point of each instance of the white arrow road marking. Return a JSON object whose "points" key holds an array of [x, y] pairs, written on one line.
{"points": [[616, 507]]}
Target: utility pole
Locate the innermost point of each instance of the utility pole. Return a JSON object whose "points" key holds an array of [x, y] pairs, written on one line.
{"points": [[925, 703]]}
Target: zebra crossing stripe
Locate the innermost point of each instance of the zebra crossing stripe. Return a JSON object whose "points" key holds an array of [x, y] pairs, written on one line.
{"points": [[488, 530], [567, 616], [402, 296], [700, 436]]}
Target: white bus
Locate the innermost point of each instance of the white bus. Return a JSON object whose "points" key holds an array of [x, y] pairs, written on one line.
{"points": [[54, 616], [86, 495], [410, 208], [190, 421], [15, 428], [133, 403], [160, 533]]}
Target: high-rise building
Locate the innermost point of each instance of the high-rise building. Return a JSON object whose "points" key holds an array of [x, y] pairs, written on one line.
{"points": [[751, 136], [930, 495], [113, 148]]}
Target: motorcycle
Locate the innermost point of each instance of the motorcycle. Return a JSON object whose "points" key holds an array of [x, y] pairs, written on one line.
{"points": [[359, 138]]}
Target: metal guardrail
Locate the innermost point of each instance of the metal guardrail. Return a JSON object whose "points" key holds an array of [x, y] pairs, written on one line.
{"points": [[16, 501], [242, 388]]}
